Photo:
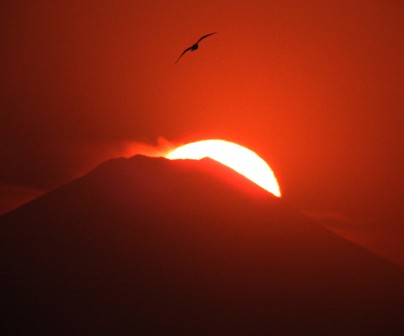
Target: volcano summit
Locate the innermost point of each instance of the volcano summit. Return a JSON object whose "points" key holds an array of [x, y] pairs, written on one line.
{"points": [[149, 246]]}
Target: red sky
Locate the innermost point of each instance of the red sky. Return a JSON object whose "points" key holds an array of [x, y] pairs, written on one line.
{"points": [[315, 88]]}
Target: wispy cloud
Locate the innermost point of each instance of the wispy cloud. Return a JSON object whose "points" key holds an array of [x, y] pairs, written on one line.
{"points": [[12, 197], [378, 236]]}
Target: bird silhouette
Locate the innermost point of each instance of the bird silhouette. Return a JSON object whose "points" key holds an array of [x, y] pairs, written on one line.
{"points": [[194, 47]]}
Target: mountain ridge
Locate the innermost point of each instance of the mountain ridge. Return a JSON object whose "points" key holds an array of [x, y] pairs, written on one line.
{"points": [[150, 245]]}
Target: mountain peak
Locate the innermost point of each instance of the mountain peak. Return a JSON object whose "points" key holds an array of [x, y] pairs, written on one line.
{"points": [[152, 246]]}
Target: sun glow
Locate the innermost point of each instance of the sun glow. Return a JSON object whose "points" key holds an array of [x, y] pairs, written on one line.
{"points": [[239, 158]]}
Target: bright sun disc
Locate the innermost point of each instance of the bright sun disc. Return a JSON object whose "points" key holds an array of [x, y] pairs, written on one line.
{"points": [[239, 158]]}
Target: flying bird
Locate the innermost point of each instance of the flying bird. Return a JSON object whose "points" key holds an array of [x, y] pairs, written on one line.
{"points": [[194, 47]]}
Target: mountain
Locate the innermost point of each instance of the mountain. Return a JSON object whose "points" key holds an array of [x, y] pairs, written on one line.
{"points": [[149, 246]]}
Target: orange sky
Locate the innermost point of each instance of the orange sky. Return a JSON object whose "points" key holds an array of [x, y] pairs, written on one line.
{"points": [[315, 88]]}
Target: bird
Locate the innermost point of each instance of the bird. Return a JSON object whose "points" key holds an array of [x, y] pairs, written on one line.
{"points": [[194, 47]]}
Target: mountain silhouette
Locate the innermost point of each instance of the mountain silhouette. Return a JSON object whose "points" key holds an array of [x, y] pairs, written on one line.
{"points": [[149, 246]]}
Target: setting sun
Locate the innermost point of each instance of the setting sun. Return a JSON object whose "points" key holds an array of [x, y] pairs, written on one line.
{"points": [[239, 158]]}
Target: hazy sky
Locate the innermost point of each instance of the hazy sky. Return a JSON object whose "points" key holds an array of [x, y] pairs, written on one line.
{"points": [[314, 87]]}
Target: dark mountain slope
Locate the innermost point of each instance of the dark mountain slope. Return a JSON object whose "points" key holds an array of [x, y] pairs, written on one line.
{"points": [[152, 246]]}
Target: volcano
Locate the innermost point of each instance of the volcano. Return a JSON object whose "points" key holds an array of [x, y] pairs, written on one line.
{"points": [[149, 246]]}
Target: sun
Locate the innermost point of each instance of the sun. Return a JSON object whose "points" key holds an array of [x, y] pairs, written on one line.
{"points": [[239, 158]]}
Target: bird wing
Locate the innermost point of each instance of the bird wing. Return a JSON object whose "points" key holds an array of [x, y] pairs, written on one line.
{"points": [[183, 54], [204, 36]]}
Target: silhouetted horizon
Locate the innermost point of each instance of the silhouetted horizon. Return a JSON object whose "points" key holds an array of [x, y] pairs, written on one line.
{"points": [[150, 245]]}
